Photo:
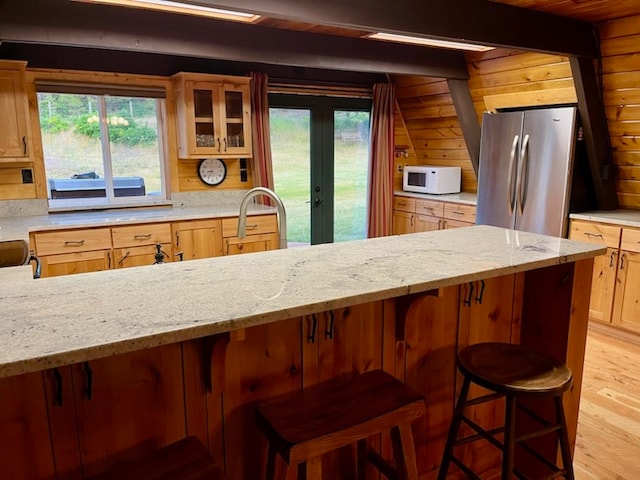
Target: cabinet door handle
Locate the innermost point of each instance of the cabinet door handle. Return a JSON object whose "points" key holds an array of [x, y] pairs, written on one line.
{"points": [[480, 292], [225, 144], [109, 260], [177, 239], [467, 301], [74, 242], [444, 224], [24, 144], [218, 144], [123, 258], [88, 373], [314, 325], [622, 261], [411, 220], [611, 262], [328, 333], [440, 224], [142, 236], [57, 401]]}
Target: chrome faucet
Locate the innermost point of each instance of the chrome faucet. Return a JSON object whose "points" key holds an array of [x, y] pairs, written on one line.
{"points": [[282, 216]]}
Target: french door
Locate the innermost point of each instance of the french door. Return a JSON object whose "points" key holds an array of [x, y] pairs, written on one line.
{"points": [[320, 150]]}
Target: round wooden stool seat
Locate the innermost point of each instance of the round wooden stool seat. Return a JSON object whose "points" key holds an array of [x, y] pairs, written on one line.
{"points": [[524, 379], [503, 367]]}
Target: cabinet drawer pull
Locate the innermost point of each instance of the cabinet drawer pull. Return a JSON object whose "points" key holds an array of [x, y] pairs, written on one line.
{"points": [[594, 235], [252, 227], [457, 212], [24, 144], [73, 242], [142, 236]]}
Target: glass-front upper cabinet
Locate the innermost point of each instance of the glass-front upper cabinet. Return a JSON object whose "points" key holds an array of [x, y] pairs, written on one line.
{"points": [[214, 115]]}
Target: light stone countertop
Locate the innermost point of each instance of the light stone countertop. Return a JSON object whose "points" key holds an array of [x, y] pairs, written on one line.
{"points": [[63, 320], [462, 197], [629, 218], [18, 227]]}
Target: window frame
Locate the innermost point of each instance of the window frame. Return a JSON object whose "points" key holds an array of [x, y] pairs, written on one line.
{"points": [[103, 90]]}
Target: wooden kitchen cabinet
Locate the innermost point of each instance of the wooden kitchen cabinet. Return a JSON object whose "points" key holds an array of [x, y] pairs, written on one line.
{"points": [[197, 239], [486, 314], [411, 215], [121, 407], [14, 137], [25, 447], [626, 305], [266, 363], [137, 245], [605, 267], [262, 235], [73, 251], [214, 115]]}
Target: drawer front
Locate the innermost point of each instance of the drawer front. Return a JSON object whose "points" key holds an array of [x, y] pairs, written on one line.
{"points": [[256, 225], [404, 204], [599, 233], [137, 235], [630, 240], [429, 207], [460, 212], [70, 241]]}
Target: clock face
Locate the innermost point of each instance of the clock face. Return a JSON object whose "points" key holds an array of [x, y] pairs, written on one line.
{"points": [[212, 171]]}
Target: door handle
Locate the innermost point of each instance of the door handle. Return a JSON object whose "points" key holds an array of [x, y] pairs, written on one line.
{"points": [[316, 202], [512, 161], [522, 180]]}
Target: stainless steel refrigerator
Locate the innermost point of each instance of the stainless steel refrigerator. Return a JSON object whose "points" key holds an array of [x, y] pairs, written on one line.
{"points": [[525, 169]]}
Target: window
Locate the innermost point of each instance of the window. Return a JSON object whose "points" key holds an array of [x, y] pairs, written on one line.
{"points": [[102, 148]]}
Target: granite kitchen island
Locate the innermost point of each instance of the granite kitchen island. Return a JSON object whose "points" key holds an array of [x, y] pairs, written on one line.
{"points": [[99, 367]]}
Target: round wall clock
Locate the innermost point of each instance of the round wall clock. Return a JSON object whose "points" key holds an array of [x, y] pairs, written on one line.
{"points": [[212, 171]]}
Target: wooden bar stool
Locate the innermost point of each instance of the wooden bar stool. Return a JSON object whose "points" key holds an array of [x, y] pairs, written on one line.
{"points": [[304, 425], [512, 372], [186, 459]]}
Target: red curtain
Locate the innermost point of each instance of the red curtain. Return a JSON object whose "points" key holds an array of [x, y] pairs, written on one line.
{"points": [[261, 165], [380, 188]]}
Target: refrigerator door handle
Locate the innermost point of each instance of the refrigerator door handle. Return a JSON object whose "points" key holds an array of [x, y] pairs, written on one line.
{"points": [[512, 159], [522, 181]]}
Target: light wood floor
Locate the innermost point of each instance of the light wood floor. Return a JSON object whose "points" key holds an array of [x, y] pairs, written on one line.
{"points": [[608, 441]]}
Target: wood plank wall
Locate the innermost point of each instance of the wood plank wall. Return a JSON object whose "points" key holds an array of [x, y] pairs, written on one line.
{"points": [[498, 78], [620, 46], [509, 78]]}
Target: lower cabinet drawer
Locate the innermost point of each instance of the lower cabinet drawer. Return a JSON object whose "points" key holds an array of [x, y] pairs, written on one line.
{"points": [[71, 241], [599, 233], [630, 240], [460, 212], [256, 225], [137, 235], [404, 204]]}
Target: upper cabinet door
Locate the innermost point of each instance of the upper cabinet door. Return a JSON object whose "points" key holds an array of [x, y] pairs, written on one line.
{"points": [[13, 114], [213, 116]]}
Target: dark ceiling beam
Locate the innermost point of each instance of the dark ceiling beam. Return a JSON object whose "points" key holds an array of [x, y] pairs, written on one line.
{"points": [[468, 119], [596, 136], [62, 22], [475, 21]]}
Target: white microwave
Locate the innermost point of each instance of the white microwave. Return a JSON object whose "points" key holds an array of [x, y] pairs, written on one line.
{"points": [[431, 179]]}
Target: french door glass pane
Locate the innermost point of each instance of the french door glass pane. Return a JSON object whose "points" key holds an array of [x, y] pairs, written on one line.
{"points": [[351, 158], [291, 152]]}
